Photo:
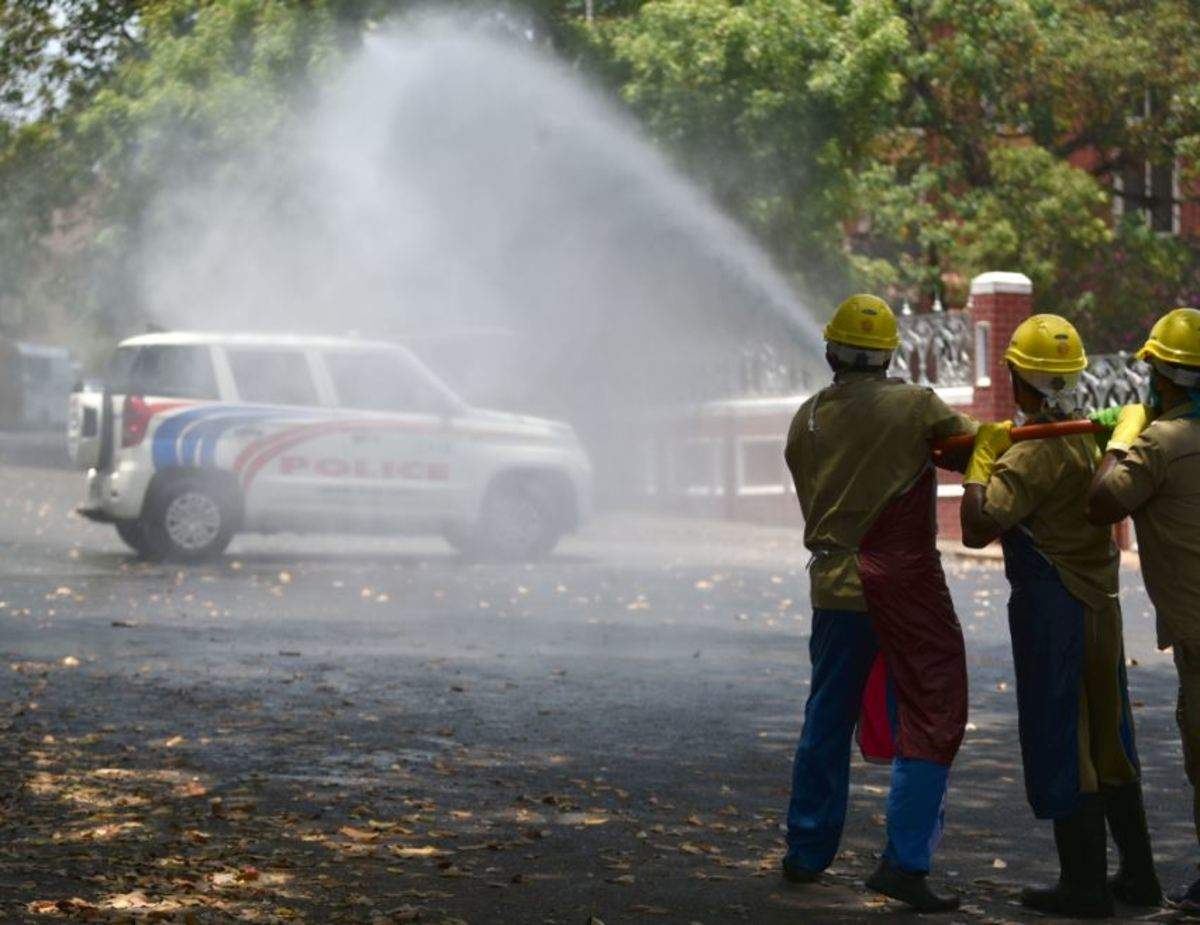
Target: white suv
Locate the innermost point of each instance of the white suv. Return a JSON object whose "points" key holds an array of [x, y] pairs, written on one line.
{"points": [[196, 437]]}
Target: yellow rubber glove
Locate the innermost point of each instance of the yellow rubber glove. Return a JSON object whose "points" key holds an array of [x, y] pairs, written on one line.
{"points": [[991, 442], [1132, 420]]}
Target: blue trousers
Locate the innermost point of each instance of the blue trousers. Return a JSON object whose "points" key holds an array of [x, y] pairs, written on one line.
{"points": [[843, 647]]}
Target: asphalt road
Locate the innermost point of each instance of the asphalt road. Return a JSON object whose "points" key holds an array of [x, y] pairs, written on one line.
{"points": [[364, 730]]}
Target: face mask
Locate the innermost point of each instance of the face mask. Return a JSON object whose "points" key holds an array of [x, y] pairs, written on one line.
{"points": [[1060, 394]]}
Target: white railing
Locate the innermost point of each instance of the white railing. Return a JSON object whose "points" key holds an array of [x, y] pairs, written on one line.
{"points": [[1113, 379], [937, 348]]}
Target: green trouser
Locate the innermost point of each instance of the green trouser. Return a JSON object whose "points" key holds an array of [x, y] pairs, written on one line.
{"points": [[1187, 714], [1104, 714]]}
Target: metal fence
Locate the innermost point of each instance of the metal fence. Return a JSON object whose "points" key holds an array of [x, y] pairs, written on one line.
{"points": [[765, 369], [936, 349], [939, 349], [1113, 379]]}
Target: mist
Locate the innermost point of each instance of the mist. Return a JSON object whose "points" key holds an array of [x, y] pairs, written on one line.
{"points": [[459, 190]]}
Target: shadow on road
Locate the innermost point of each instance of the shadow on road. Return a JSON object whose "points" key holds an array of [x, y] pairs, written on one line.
{"points": [[446, 796]]}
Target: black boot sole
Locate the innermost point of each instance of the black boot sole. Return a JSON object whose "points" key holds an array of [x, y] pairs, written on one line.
{"points": [[800, 876], [1063, 905], [892, 888], [1148, 897]]}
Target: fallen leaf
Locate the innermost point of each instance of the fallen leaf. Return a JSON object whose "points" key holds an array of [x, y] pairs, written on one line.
{"points": [[422, 851], [361, 836]]}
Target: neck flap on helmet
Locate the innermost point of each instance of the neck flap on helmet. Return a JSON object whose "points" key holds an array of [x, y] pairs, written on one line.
{"points": [[859, 357], [1059, 391], [1186, 377]]}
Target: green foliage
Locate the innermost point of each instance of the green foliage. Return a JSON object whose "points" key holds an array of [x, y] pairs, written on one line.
{"points": [[1037, 213], [773, 101], [54, 52], [906, 145], [196, 85], [903, 145], [1117, 295]]}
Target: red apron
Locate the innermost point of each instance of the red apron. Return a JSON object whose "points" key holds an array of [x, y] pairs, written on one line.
{"points": [[920, 639]]}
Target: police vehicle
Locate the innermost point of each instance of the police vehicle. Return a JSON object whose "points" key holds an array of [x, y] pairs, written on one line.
{"points": [[193, 438]]}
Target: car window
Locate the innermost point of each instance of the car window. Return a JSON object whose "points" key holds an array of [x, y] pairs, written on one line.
{"points": [[383, 380], [174, 371], [273, 377]]}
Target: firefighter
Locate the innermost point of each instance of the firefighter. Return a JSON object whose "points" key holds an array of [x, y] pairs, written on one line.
{"points": [[859, 453], [1151, 469], [1073, 713]]}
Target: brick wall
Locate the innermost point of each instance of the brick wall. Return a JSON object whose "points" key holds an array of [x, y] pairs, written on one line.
{"points": [[999, 303]]}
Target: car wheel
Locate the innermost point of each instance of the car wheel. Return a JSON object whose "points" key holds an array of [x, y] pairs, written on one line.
{"points": [[190, 520], [517, 523], [133, 535]]}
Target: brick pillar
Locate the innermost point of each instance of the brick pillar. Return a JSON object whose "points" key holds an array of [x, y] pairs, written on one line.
{"points": [[999, 303]]}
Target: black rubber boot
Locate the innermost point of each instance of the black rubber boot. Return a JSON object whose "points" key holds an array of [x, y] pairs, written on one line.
{"points": [[1187, 897], [909, 888], [1136, 882], [1082, 888], [794, 873]]}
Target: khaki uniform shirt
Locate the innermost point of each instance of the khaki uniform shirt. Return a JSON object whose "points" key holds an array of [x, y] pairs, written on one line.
{"points": [[852, 448], [1043, 485], [1158, 481]]}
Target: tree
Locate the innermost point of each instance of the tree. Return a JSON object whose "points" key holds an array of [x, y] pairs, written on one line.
{"points": [[103, 104], [774, 103], [151, 93], [906, 145], [54, 52], [902, 145]]}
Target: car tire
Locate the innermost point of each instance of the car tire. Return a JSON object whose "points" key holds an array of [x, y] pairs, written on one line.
{"points": [[517, 523], [133, 535], [189, 519]]}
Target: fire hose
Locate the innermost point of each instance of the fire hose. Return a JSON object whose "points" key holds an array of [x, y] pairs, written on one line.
{"points": [[1027, 432]]}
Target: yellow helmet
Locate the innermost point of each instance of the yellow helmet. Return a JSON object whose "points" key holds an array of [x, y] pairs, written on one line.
{"points": [[1046, 344], [1175, 338], [866, 322]]}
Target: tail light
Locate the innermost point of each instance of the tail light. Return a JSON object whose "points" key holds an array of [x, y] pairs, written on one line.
{"points": [[135, 418]]}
